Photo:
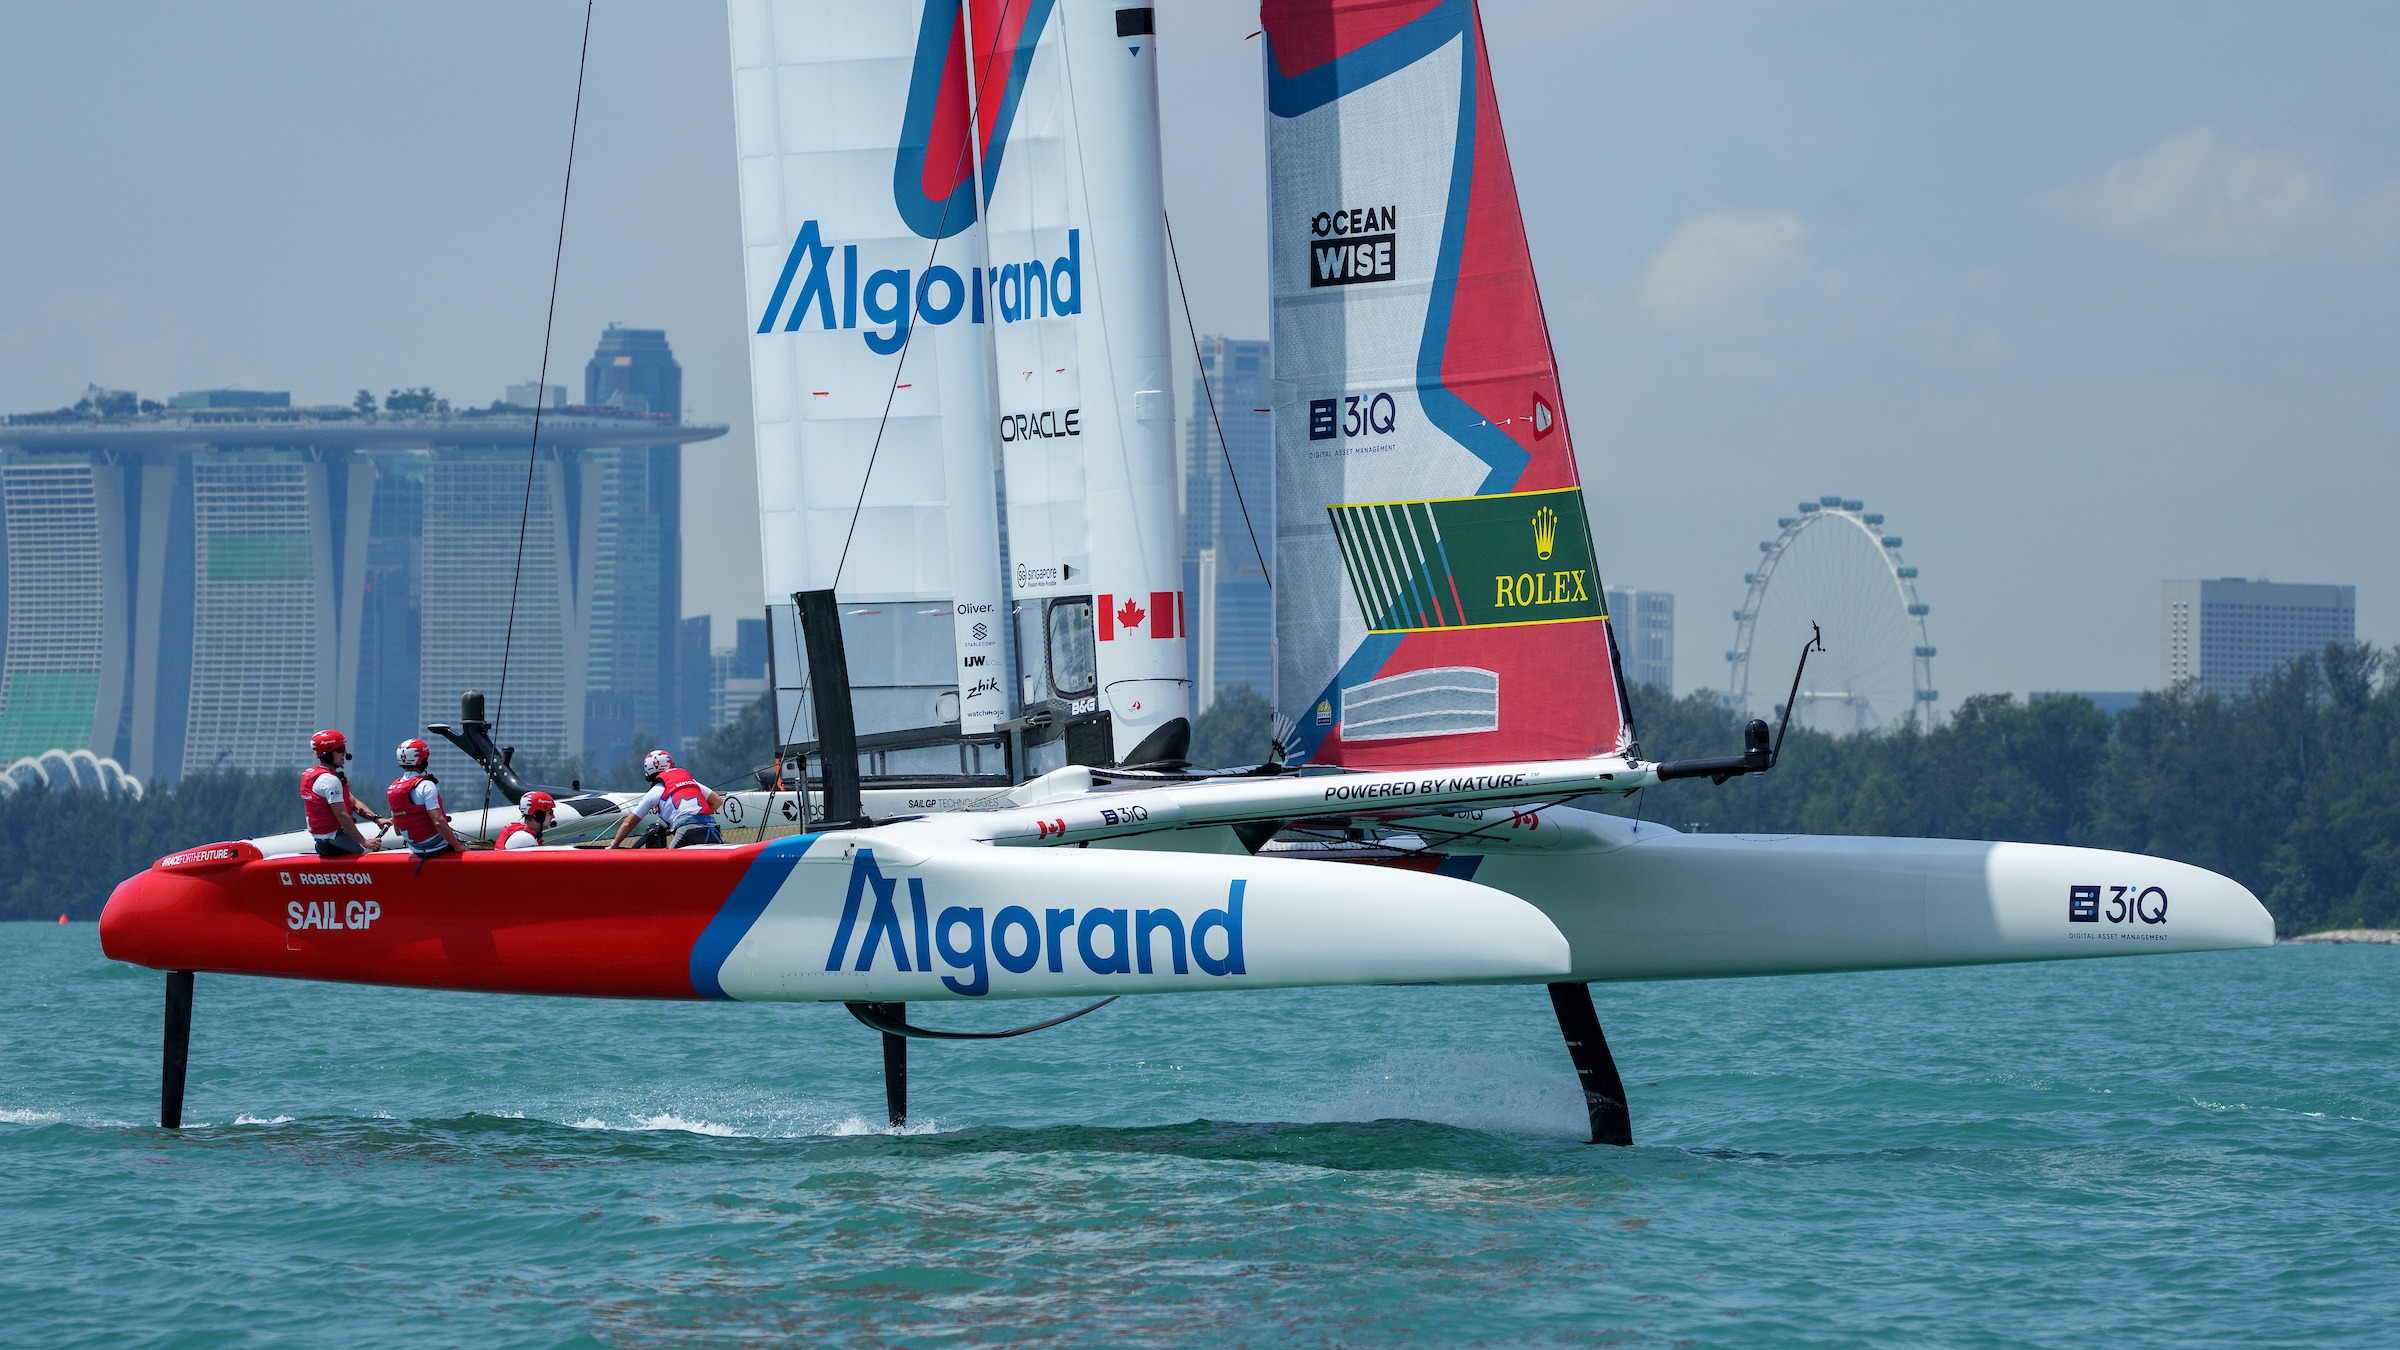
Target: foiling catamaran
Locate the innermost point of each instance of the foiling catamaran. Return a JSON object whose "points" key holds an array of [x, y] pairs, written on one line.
{"points": [[958, 272]]}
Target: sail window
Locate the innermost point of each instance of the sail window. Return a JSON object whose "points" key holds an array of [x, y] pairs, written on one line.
{"points": [[1442, 701], [1068, 647]]}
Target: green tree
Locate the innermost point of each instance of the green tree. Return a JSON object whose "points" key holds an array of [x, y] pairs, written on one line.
{"points": [[1235, 731]]}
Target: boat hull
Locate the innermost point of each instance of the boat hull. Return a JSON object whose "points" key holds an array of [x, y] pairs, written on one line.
{"points": [[1659, 904], [870, 916]]}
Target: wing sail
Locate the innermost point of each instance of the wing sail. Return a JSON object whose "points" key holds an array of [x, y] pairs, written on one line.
{"points": [[1439, 601], [867, 293]]}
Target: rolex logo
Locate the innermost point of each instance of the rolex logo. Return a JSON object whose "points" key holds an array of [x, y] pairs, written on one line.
{"points": [[1545, 532]]}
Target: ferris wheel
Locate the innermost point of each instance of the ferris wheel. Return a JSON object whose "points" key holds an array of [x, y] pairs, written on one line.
{"points": [[1833, 565]]}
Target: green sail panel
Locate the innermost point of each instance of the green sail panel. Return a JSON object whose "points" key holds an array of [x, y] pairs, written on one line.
{"points": [[1470, 562]]}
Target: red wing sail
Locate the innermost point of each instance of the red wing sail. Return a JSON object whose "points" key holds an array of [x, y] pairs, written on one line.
{"points": [[1438, 600]]}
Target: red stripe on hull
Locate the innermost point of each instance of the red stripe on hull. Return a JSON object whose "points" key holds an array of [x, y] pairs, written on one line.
{"points": [[589, 923]]}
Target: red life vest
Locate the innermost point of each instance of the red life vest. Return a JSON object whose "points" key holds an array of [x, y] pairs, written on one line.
{"points": [[414, 820], [681, 787], [513, 827], [320, 811]]}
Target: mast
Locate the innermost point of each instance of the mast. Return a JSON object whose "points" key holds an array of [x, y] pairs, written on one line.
{"points": [[1004, 619], [1135, 526]]}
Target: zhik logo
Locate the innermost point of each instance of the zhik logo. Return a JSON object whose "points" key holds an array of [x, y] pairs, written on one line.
{"points": [[1027, 290], [1107, 940]]}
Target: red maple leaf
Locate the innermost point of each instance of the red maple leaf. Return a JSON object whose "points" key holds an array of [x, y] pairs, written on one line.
{"points": [[1129, 616]]}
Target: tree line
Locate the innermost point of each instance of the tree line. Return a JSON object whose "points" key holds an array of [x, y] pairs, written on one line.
{"points": [[2291, 788]]}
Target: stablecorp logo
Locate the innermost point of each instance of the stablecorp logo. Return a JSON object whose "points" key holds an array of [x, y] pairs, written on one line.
{"points": [[967, 940]]}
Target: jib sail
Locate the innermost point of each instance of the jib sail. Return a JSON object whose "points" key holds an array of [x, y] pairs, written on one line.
{"points": [[1020, 326], [1437, 600]]}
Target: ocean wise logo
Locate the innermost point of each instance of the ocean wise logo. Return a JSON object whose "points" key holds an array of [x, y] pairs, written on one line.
{"points": [[1470, 562], [893, 298], [966, 941], [1348, 247]]}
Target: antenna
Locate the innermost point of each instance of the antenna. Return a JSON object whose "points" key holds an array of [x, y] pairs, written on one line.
{"points": [[1758, 754]]}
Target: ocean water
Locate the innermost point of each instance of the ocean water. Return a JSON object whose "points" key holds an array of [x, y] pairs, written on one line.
{"points": [[2165, 1150]]}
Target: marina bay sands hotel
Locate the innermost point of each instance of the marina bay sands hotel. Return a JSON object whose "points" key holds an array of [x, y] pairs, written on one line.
{"points": [[201, 585]]}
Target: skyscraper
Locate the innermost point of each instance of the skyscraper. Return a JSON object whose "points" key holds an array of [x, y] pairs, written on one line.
{"points": [[1645, 626], [2228, 632], [1226, 560], [202, 587], [637, 572]]}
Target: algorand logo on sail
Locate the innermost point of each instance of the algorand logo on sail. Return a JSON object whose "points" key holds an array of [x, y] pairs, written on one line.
{"points": [[835, 295]]}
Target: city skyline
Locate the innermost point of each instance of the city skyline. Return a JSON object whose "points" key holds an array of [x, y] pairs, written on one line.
{"points": [[202, 583], [2120, 279]]}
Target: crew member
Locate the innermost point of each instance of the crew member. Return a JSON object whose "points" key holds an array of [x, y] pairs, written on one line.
{"points": [[682, 803], [416, 798], [538, 810], [333, 813]]}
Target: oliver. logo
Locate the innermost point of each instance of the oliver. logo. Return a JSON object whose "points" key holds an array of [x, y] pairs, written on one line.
{"points": [[1470, 562]]}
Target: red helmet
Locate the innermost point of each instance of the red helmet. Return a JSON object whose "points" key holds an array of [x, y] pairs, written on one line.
{"points": [[414, 755], [656, 763], [537, 803], [329, 742]]}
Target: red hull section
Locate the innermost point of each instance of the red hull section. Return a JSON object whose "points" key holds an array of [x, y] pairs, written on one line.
{"points": [[579, 922]]}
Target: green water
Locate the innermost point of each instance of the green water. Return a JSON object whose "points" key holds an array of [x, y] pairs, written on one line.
{"points": [[2165, 1150]]}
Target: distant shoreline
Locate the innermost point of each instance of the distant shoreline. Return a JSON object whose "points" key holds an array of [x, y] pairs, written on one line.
{"points": [[2384, 937]]}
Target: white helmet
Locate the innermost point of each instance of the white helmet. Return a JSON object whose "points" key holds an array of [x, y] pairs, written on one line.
{"points": [[656, 763]]}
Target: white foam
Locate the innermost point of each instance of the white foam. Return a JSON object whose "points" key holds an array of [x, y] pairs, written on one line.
{"points": [[668, 1120], [12, 1116], [673, 1121], [246, 1118]]}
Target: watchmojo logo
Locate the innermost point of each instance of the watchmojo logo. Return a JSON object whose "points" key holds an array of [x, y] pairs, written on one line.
{"points": [[892, 298], [1348, 247]]}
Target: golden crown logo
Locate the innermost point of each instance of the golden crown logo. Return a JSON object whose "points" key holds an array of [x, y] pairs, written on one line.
{"points": [[1545, 532]]}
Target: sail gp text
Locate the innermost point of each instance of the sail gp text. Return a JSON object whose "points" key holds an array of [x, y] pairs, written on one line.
{"points": [[967, 941]]}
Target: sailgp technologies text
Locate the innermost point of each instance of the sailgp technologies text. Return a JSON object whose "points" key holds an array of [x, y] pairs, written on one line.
{"points": [[1423, 787], [1102, 940], [1027, 290]]}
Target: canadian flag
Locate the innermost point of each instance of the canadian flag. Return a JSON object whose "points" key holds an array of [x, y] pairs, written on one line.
{"points": [[1164, 616]]}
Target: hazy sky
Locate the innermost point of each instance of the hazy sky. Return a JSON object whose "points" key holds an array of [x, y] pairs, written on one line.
{"points": [[2082, 296]]}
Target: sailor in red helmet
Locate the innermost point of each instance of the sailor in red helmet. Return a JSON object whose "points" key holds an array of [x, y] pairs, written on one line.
{"points": [[333, 813], [416, 799], [684, 804], [538, 809]]}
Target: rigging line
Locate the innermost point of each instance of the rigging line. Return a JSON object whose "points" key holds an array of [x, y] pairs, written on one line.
{"points": [[541, 390], [1211, 395], [941, 225]]}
